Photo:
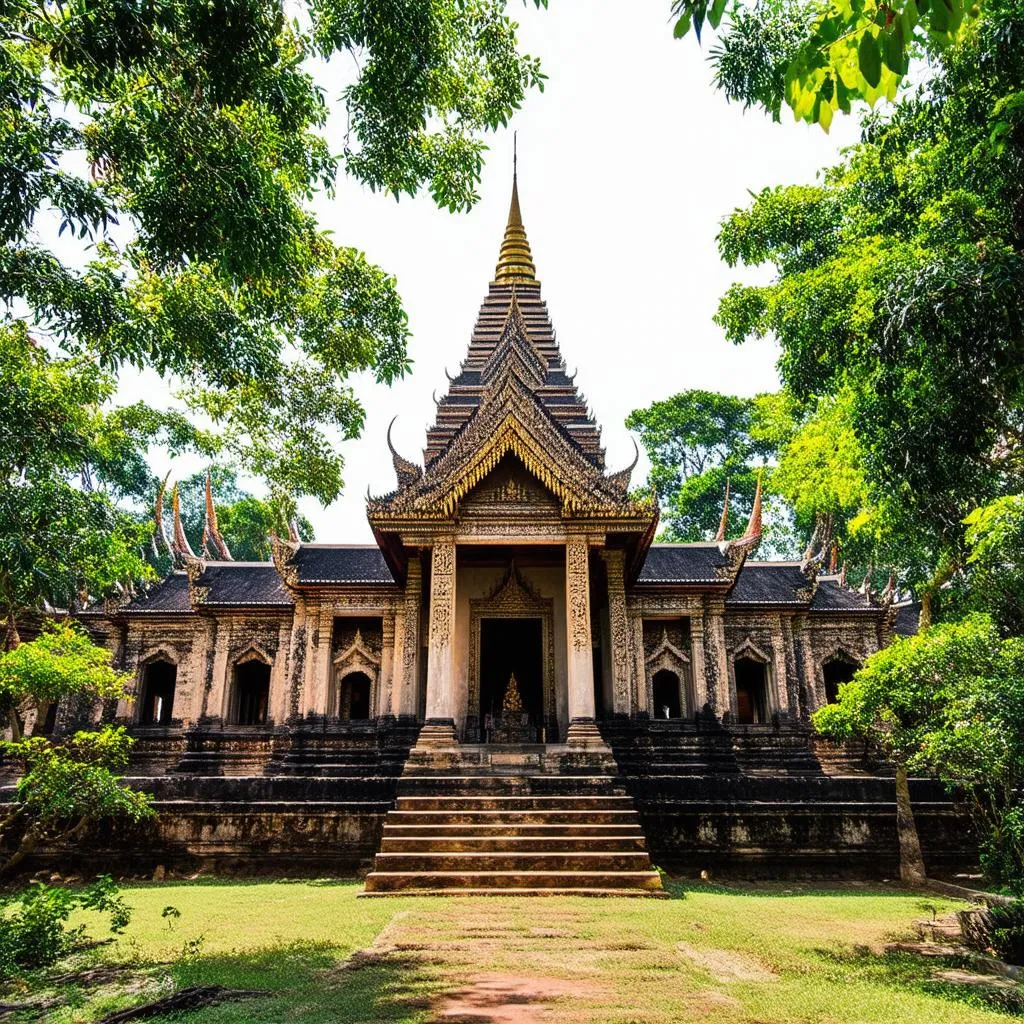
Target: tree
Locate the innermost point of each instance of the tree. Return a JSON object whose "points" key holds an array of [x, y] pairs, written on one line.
{"points": [[977, 748], [897, 295], [820, 58], [698, 440], [900, 696], [70, 787], [202, 133], [995, 563]]}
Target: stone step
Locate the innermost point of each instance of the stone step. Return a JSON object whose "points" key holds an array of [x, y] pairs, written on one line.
{"points": [[491, 802], [470, 783], [504, 843], [659, 894], [462, 862], [499, 828], [392, 881], [515, 817]]}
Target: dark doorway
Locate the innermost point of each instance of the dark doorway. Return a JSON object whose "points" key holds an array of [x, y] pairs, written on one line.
{"points": [[355, 696], [158, 682], [836, 673], [751, 691], [507, 647], [252, 692], [665, 687]]}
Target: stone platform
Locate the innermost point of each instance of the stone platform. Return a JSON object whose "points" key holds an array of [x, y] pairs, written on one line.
{"points": [[516, 820]]}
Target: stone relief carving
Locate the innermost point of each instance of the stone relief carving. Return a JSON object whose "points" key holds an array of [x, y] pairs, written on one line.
{"points": [[577, 582], [442, 592]]}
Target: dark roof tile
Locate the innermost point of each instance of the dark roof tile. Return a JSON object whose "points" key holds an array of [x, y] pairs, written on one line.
{"points": [[168, 597], [337, 563], [683, 563], [831, 596], [244, 584], [769, 583]]}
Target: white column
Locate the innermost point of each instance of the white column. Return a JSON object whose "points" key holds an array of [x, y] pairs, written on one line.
{"points": [[439, 729], [580, 654]]}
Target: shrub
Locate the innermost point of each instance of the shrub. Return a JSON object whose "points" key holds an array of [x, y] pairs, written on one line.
{"points": [[1008, 931], [34, 928]]}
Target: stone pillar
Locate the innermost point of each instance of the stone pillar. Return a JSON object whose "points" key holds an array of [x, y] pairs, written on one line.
{"points": [[387, 662], [643, 698], [407, 647], [698, 674], [580, 654], [615, 563], [716, 661], [439, 728]]}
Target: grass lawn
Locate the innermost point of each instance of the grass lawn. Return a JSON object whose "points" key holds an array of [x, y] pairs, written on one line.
{"points": [[766, 954]]}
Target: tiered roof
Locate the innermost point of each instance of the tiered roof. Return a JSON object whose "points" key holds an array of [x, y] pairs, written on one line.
{"points": [[514, 280]]}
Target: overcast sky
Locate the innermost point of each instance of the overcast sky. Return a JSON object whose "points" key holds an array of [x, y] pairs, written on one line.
{"points": [[627, 163]]}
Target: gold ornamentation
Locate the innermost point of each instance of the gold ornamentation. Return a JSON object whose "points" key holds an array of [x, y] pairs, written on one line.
{"points": [[512, 702], [577, 582]]}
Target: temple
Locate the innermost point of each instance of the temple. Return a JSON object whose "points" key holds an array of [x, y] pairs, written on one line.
{"points": [[515, 634]]}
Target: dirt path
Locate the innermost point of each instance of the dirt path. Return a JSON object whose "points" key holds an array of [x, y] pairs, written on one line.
{"points": [[531, 961]]}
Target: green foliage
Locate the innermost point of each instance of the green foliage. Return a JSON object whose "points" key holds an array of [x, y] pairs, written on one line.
{"points": [[896, 300], [189, 247], [34, 920], [820, 58], [950, 701], [68, 790], [995, 540], [698, 439], [1008, 931], [61, 661]]}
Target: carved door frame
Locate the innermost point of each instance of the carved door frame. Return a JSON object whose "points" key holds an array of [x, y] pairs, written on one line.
{"points": [[512, 598]]}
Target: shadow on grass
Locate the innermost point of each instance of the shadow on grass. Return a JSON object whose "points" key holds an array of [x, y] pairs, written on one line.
{"points": [[310, 983], [777, 890], [905, 971]]}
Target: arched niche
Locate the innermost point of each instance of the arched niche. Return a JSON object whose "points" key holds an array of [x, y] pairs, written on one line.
{"points": [[751, 673], [250, 690], [837, 669], [347, 690], [157, 685], [669, 680]]}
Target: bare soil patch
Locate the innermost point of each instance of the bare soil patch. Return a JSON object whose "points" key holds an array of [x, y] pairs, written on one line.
{"points": [[725, 966], [495, 998]]}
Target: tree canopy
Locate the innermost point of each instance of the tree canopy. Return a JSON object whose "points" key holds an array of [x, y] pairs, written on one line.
{"points": [[896, 297], [819, 58]]}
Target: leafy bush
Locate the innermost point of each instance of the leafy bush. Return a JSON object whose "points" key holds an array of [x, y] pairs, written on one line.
{"points": [[1008, 931], [34, 928]]}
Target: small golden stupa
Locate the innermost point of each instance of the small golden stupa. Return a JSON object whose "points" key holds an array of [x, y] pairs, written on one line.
{"points": [[512, 703]]}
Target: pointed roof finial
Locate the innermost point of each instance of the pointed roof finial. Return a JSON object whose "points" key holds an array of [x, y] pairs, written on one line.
{"points": [[754, 525], [724, 523], [515, 261]]}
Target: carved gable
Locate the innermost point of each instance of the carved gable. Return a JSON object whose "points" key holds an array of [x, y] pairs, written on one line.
{"points": [[510, 490]]}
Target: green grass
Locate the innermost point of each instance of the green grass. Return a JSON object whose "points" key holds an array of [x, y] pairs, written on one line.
{"points": [[784, 955]]}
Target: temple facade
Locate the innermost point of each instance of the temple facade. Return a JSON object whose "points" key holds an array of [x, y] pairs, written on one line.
{"points": [[513, 678], [510, 550]]}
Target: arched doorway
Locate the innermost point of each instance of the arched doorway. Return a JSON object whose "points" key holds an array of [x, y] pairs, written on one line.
{"points": [[665, 692], [252, 692], [159, 679], [354, 697], [835, 673], [751, 691]]}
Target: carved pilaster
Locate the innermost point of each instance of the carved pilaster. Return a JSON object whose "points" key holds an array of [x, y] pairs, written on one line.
{"points": [[642, 699], [441, 646], [387, 664], [699, 674], [716, 662], [409, 639], [615, 561]]}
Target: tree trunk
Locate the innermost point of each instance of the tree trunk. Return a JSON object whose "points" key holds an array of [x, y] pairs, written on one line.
{"points": [[912, 870]]}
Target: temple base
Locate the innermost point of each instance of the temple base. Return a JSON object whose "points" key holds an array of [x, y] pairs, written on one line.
{"points": [[584, 734], [437, 734]]}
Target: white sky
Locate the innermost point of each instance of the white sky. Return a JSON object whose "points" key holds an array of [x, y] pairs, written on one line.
{"points": [[627, 163]]}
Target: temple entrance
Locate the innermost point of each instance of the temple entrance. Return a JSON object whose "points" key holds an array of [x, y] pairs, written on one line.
{"points": [[751, 691], [511, 647], [835, 673]]}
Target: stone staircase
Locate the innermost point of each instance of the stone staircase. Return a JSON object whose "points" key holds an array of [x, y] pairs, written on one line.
{"points": [[513, 821]]}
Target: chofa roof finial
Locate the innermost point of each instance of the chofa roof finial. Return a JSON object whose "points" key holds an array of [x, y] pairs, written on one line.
{"points": [[406, 471], [723, 524], [211, 529], [180, 547]]}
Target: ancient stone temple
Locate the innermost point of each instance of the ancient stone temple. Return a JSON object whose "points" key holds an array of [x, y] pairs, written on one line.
{"points": [[514, 686]]}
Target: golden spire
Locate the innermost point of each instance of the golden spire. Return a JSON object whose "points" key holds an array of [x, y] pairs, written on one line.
{"points": [[515, 261]]}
